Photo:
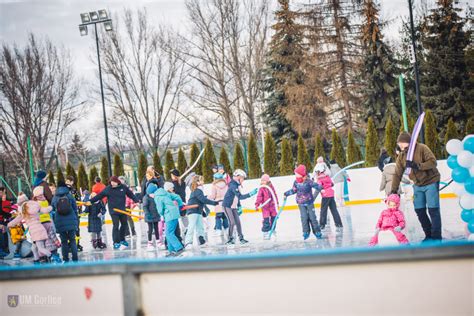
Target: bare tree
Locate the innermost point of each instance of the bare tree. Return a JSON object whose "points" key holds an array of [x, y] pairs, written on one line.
{"points": [[144, 79], [37, 100]]}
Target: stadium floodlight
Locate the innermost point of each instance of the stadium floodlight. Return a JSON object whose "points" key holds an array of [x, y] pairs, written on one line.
{"points": [[108, 26], [94, 16], [85, 18], [83, 30], [103, 14]]}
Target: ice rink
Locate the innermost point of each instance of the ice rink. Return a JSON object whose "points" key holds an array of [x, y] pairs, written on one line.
{"points": [[359, 222]]}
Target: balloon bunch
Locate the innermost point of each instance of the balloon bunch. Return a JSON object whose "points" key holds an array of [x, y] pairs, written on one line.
{"points": [[461, 161]]}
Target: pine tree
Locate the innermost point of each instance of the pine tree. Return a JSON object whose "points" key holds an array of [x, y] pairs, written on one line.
{"points": [[380, 92], [157, 163], [104, 170], [208, 161], [451, 132], [70, 172], [78, 150], [51, 177], [270, 160], [337, 150], [118, 166], [319, 148], [182, 163], [353, 150], [82, 180], [302, 156], [255, 169], [391, 135], [371, 145], [239, 159], [470, 126], [286, 162], [444, 73], [142, 165], [92, 175], [169, 165], [59, 176], [224, 160], [193, 157], [431, 135]]}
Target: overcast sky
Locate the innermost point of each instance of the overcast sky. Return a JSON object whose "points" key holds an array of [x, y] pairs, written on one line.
{"points": [[59, 19]]}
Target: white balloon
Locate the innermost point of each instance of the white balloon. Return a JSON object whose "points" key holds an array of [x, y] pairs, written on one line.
{"points": [[454, 147], [467, 201], [471, 171], [465, 159], [458, 189]]}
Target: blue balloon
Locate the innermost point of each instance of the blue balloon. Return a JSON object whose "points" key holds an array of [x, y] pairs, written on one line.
{"points": [[469, 144], [467, 215], [453, 162], [470, 226], [460, 174], [469, 185]]}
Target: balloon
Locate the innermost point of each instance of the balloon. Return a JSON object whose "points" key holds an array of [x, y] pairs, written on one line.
{"points": [[467, 201], [467, 215], [470, 226], [468, 143], [453, 162], [465, 159], [454, 146], [469, 185], [471, 171], [460, 174], [458, 189]]}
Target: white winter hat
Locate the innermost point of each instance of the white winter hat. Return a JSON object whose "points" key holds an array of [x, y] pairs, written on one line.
{"points": [[168, 186], [320, 167], [240, 173]]}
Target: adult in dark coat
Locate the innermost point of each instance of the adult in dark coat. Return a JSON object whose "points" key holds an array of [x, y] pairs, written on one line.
{"points": [[383, 155], [151, 176]]}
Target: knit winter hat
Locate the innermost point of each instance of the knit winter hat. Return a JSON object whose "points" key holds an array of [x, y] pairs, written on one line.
{"points": [[41, 174], [301, 170], [151, 188], [218, 176], [168, 186], [97, 179], [115, 179], [175, 172], [394, 198], [21, 199], [265, 177], [404, 137], [38, 191], [61, 184]]}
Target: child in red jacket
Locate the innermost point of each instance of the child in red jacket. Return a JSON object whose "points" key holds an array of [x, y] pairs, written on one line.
{"points": [[268, 201], [327, 194], [391, 219]]}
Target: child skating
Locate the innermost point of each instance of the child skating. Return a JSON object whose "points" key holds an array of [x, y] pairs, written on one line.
{"points": [[94, 225], [17, 236], [391, 219], [327, 193], [219, 189], [303, 188], [268, 202], [152, 217]]}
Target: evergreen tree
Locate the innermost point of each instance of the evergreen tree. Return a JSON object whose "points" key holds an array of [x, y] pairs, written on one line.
{"points": [[51, 177], [353, 150], [224, 160], [182, 163], [270, 159], [208, 161], [142, 165], [239, 159], [286, 162], [82, 180], [319, 148], [444, 73], [157, 163], [391, 135], [431, 135], [59, 176], [380, 89], [302, 156], [193, 156], [470, 126], [337, 150], [77, 150], [92, 175], [70, 172], [371, 145], [104, 170], [169, 165], [451, 132], [255, 169], [118, 166]]}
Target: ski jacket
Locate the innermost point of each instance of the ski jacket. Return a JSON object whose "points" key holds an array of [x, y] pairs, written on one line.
{"points": [[389, 219], [326, 183], [116, 196], [218, 191], [304, 191], [36, 229], [198, 197], [233, 195], [167, 204], [263, 196], [67, 222]]}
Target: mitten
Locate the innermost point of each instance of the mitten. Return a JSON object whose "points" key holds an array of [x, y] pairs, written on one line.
{"points": [[397, 229]]}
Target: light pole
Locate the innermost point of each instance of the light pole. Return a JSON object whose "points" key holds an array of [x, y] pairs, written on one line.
{"points": [[96, 17]]}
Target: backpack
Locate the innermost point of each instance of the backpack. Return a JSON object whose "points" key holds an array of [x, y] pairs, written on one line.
{"points": [[64, 206]]}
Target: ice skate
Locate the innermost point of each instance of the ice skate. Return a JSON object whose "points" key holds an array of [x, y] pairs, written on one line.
{"points": [[150, 247]]}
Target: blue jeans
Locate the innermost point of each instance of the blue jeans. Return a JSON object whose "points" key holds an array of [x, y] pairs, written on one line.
{"points": [[173, 243], [426, 196], [221, 221]]}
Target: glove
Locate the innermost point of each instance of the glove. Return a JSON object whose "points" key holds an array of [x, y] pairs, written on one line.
{"points": [[397, 229], [239, 210], [348, 179], [253, 192], [286, 194], [413, 165]]}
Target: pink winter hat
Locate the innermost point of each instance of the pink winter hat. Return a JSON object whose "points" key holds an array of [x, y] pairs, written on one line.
{"points": [[265, 177], [394, 198], [301, 170], [38, 191]]}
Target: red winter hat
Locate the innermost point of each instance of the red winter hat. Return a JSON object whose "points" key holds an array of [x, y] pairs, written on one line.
{"points": [[301, 170]]}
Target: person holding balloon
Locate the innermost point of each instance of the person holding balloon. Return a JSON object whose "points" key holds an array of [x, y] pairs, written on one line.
{"points": [[425, 175]]}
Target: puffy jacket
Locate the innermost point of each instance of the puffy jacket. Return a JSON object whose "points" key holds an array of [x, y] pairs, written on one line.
{"points": [[46, 191], [94, 221], [97, 188], [116, 197], [197, 197], [233, 196], [263, 196], [37, 231], [17, 233], [149, 206], [167, 204], [391, 218], [44, 217], [219, 189], [158, 180], [67, 222], [387, 178], [326, 183], [304, 191]]}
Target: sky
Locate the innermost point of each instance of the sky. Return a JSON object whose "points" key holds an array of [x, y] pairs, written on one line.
{"points": [[59, 19]]}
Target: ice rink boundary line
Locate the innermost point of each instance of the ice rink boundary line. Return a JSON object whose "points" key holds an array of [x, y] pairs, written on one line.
{"points": [[316, 205]]}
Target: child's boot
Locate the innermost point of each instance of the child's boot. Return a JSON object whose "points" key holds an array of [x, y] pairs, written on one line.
{"points": [[305, 235], [94, 243], [100, 244]]}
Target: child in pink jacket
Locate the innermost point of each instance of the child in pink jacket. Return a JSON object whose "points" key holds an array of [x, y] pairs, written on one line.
{"points": [[268, 202], [391, 219], [327, 193], [219, 189]]}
